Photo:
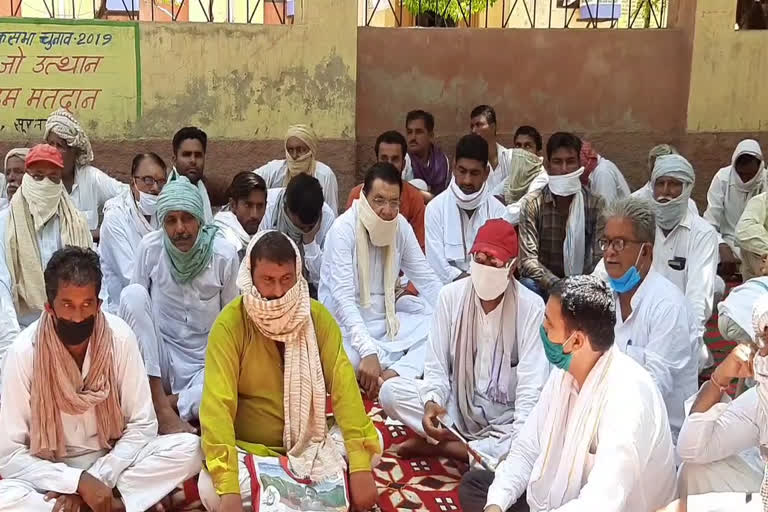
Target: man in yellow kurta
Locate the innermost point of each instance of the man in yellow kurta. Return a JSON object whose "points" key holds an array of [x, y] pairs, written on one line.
{"points": [[272, 354]]}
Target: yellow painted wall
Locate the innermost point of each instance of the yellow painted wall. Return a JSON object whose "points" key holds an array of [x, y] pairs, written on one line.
{"points": [[729, 73]]}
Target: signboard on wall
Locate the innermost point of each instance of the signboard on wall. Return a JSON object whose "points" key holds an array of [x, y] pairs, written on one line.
{"points": [[92, 68]]}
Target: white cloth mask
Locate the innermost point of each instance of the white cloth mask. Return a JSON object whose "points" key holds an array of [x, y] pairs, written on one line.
{"points": [[566, 185], [147, 203], [489, 282], [468, 201]]}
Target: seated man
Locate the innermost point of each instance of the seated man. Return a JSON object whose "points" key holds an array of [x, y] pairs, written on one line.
{"points": [[528, 138], [183, 276], [526, 174], [127, 218], [453, 217], [273, 355], [560, 224], [646, 191], [300, 211], [482, 122], [240, 219], [77, 427], [685, 251], [89, 187], [391, 147], [484, 366], [653, 323], [734, 314], [301, 158], [365, 250], [602, 176], [728, 194], [189, 147], [13, 172], [40, 220], [598, 437], [426, 166]]}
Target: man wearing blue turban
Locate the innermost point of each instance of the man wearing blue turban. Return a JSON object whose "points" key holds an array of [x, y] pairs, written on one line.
{"points": [[184, 275]]}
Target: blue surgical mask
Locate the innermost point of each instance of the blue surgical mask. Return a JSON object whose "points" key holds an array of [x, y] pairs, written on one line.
{"points": [[629, 280], [554, 352]]}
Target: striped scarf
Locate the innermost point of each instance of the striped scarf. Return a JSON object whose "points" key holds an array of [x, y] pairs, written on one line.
{"points": [[311, 451], [58, 387]]}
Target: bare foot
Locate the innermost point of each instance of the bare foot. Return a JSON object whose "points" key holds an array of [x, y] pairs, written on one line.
{"points": [[169, 423], [416, 447]]}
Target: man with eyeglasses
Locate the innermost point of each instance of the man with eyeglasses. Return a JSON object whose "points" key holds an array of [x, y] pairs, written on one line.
{"points": [[654, 324], [127, 218], [41, 219], [453, 217], [365, 250], [485, 364]]}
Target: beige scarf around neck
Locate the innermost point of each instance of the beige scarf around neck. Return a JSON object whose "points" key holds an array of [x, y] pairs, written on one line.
{"points": [[381, 233], [31, 208], [58, 387], [311, 451]]}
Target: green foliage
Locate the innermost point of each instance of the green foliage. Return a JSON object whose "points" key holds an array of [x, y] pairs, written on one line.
{"points": [[450, 7]]}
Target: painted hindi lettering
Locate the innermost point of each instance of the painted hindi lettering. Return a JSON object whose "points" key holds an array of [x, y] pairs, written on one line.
{"points": [[13, 63], [9, 95], [67, 64]]}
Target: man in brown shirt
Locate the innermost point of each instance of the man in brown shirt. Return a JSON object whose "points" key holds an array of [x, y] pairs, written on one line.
{"points": [[391, 147], [550, 247]]}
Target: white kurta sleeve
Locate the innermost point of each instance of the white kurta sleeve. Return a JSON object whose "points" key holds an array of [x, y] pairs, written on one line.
{"points": [[437, 362], [9, 324], [700, 287], [415, 266], [116, 253], [512, 215], [141, 265], [724, 430], [514, 472], [313, 253], [624, 433], [751, 234], [669, 348], [16, 461], [532, 368], [331, 193], [434, 224], [228, 276], [136, 406], [271, 173], [604, 182], [107, 187], [715, 202], [339, 274]]}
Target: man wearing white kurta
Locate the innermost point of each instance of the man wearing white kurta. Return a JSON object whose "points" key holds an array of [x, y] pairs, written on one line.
{"points": [[190, 145], [728, 194], [300, 212], [127, 218], [184, 275], [484, 366], [734, 313], [40, 220], [240, 219], [89, 187], [604, 178], [653, 322], [301, 154], [453, 217], [365, 251], [76, 420], [482, 122], [598, 437], [686, 248]]}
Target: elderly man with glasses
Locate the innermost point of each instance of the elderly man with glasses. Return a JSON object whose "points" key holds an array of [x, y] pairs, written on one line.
{"points": [[365, 250]]}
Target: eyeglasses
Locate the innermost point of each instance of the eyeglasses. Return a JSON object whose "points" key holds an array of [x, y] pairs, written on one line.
{"points": [[380, 202], [617, 244], [149, 181]]}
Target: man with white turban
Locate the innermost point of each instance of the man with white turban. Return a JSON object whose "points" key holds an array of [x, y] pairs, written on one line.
{"points": [[40, 220], [365, 250], [685, 251], [721, 438], [453, 218], [728, 194], [13, 173], [88, 186], [184, 274], [301, 157], [646, 192]]}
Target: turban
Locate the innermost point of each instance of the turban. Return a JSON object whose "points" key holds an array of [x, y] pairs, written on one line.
{"points": [[64, 124], [305, 163]]}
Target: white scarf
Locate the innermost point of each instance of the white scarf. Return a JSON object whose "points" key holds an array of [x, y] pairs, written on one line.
{"points": [[468, 201], [455, 216], [574, 245], [381, 233], [558, 472], [227, 221], [137, 217]]}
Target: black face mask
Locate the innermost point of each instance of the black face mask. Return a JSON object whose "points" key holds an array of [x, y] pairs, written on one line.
{"points": [[74, 333]]}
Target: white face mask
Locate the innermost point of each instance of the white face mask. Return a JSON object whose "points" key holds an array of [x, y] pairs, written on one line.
{"points": [[489, 282], [566, 185], [147, 203]]}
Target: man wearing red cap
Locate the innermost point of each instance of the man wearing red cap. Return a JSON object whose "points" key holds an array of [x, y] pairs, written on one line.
{"points": [[485, 364], [40, 220]]}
